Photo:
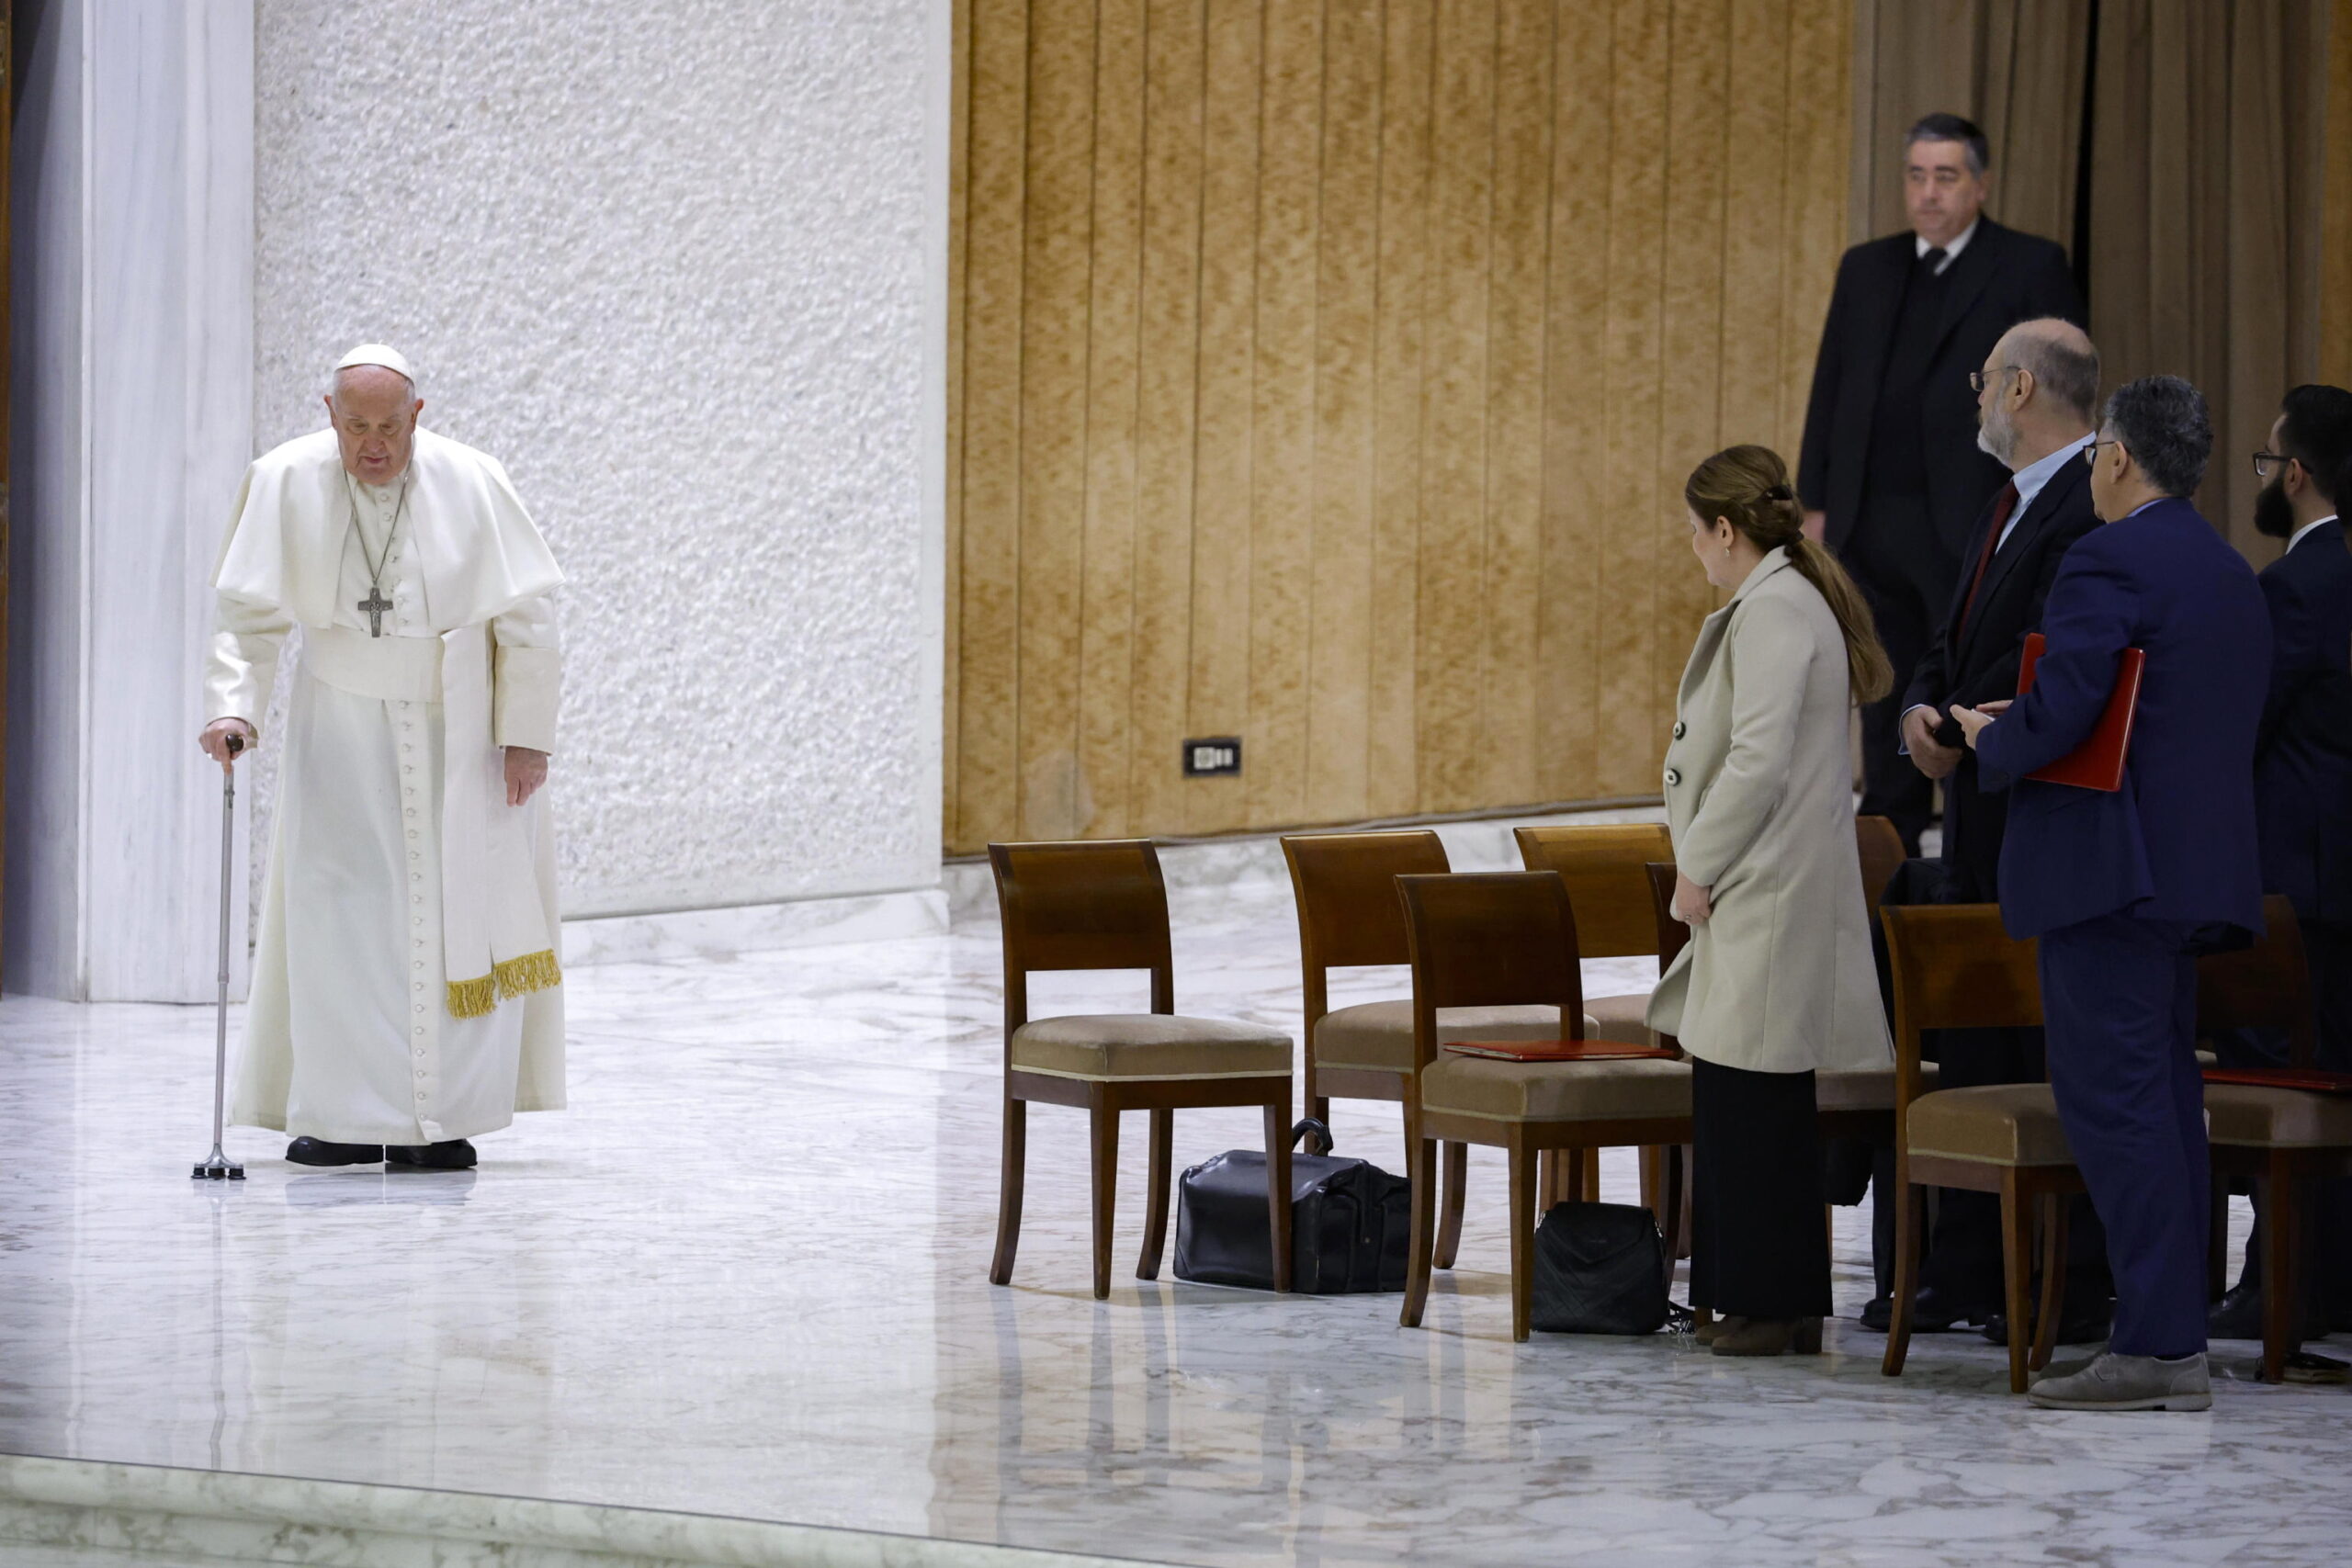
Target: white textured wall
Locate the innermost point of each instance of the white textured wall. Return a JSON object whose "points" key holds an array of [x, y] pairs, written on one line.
{"points": [[673, 263]]}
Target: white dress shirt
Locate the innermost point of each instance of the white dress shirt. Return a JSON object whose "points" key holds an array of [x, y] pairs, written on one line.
{"points": [[1951, 251]]}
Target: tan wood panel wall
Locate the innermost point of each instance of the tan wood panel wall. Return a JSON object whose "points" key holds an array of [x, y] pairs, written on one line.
{"points": [[1325, 372]]}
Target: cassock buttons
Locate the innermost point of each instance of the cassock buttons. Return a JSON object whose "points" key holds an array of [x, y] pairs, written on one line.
{"points": [[1673, 777], [1680, 729]]}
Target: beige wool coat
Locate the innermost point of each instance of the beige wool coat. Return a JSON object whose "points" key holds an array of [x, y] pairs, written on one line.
{"points": [[1759, 794]]}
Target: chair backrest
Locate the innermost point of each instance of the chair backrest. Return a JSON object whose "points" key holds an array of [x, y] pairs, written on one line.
{"points": [[1092, 904], [1345, 886], [1673, 936], [2262, 986], [1954, 967], [1601, 865], [1881, 847], [1490, 938]]}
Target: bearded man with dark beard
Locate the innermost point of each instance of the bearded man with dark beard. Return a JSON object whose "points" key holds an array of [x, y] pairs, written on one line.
{"points": [[2302, 780]]}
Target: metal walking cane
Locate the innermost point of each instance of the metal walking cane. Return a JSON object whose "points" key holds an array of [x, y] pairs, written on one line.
{"points": [[219, 1168]]}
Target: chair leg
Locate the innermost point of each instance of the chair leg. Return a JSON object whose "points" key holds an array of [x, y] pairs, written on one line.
{"points": [[1104, 1126], [1551, 1185], [1523, 1233], [1648, 1162], [1908, 1220], [1155, 1197], [2280, 1220], [1278, 1186], [1421, 1156], [1449, 1233], [2017, 1269], [1683, 1156], [1008, 1195], [2054, 1280], [1591, 1176]]}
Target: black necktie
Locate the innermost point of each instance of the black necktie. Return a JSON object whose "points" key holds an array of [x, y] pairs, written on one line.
{"points": [[1933, 261]]}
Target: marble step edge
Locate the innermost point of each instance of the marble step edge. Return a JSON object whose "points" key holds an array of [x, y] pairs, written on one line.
{"points": [[176, 1516]]}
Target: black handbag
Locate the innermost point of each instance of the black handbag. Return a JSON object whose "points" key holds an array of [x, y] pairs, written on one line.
{"points": [[1600, 1269], [1349, 1221]]}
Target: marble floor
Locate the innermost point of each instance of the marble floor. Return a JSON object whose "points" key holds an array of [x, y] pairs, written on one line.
{"points": [[745, 1276]]}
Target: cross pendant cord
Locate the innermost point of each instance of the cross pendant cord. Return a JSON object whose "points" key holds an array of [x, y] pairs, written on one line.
{"points": [[375, 604]]}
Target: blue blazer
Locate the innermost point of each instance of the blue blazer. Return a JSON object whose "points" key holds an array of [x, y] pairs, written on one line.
{"points": [[2302, 754], [2177, 842]]}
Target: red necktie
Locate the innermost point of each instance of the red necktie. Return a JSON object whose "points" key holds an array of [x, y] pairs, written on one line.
{"points": [[2001, 509]]}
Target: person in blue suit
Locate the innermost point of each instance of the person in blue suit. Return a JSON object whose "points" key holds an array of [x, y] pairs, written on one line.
{"points": [[2125, 887], [2303, 796]]}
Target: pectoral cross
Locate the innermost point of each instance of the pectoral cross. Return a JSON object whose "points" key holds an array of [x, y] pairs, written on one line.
{"points": [[373, 607]]}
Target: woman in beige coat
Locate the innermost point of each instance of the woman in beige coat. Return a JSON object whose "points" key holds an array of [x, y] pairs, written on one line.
{"points": [[1777, 981]]}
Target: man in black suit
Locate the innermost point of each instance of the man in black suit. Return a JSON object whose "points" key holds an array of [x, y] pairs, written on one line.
{"points": [[2036, 409], [2037, 399], [2302, 781], [1890, 472]]}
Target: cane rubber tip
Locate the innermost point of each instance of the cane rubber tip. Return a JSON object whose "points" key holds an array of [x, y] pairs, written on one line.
{"points": [[236, 1173], [199, 1174]]}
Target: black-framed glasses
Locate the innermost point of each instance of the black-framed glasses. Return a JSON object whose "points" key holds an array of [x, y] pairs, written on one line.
{"points": [[2090, 448], [1978, 380], [2265, 461]]}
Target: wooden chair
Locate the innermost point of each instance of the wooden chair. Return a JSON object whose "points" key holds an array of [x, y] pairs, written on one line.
{"points": [[1102, 905], [1509, 939], [1881, 847], [2285, 1136], [1956, 969], [1602, 864], [1860, 1103], [1345, 886]]}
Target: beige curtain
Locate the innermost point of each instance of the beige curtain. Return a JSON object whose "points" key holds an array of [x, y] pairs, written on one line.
{"points": [[2016, 67], [2207, 173]]}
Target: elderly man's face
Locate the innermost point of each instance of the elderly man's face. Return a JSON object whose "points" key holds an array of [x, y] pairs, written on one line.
{"points": [[1997, 430], [374, 413], [1940, 191]]}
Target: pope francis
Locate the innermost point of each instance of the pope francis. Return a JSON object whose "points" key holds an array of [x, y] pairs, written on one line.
{"points": [[406, 993]]}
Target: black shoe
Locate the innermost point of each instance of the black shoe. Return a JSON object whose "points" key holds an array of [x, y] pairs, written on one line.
{"points": [[318, 1151], [2237, 1315], [2086, 1327], [1878, 1313], [454, 1153], [1937, 1311]]}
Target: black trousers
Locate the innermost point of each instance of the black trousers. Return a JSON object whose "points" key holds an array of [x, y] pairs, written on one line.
{"points": [[1906, 574], [1758, 1247]]}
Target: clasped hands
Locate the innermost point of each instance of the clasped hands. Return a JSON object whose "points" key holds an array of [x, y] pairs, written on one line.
{"points": [[1932, 756], [527, 770]]}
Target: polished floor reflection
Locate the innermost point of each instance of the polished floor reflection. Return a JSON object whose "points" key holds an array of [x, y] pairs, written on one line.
{"points": [[746, 1275]]}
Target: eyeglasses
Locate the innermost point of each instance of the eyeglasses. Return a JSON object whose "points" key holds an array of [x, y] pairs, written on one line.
{"points": [[1978, 380], [2090, 450], [2265, 461]]}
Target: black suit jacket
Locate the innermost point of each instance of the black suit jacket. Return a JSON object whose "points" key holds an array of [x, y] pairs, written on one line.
{"points": [[2003, 277], [1980, 664], [2302, 755]]}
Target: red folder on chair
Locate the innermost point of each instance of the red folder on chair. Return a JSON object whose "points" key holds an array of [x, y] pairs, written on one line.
{"points": [[2097, 763]]}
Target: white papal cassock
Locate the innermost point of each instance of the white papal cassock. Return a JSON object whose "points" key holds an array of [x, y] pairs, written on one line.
{"points": [[406, 988]]}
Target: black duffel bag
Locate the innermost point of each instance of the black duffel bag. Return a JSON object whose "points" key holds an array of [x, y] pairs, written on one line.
{"points": [[1600, 1269], [1350, 1221]]}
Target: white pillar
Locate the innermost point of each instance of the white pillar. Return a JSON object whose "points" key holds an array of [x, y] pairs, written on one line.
{"points": [[133, 374]]}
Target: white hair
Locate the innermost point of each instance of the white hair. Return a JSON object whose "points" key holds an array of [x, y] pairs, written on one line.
{"points": [[333, 382]]}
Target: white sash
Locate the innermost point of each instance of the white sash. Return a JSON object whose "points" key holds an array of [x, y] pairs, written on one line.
{"points": [[495, 936]]}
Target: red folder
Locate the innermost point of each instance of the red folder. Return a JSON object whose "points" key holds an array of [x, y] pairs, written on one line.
{"points": [[2317, 1080], [1557, 1050], [2097, 763]]}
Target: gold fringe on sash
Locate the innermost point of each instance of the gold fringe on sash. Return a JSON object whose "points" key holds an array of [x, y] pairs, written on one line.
{"points": [[480, 997]]}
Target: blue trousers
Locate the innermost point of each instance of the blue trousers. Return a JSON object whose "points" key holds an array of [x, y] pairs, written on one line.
{"points": [[2118, 998]]}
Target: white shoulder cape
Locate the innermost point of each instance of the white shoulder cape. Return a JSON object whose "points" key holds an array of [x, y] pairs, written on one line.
{"points": [[480, 553]]}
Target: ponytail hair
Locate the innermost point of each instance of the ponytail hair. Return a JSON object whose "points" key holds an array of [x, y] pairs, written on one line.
{"points": [[1749, 487]]}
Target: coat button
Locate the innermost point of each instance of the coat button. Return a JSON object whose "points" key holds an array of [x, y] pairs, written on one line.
{"points": [[1673, 776], [1680, 729]]}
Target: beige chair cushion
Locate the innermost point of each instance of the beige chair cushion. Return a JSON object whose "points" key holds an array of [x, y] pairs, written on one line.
{"points": [[1548, 1091], [1872, 1089], [2010, 1124], [1148, 1045], [1620, 1018], [1380, 1034], [2277, 1118]]}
